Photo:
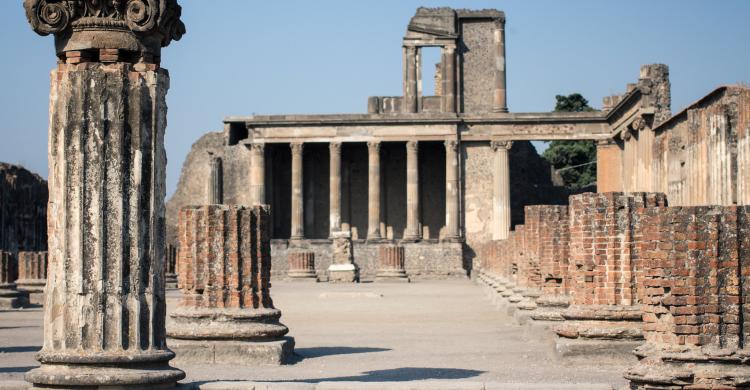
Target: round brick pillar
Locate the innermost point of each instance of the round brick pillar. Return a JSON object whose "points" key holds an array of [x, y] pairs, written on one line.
{"points": [[392, 259], [32, 275], [302, 265]]}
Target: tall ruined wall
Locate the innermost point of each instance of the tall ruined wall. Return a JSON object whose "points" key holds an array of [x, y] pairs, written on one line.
{"points": [[698, 157], [23, 210], [478, 64], [192, 189]]}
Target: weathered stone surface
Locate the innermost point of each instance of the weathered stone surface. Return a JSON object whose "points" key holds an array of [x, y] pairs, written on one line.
{"points": [[342, 268], [10, 297], [170, 267], [32, 275], [23, 210], [105, 305], [225, 269]]}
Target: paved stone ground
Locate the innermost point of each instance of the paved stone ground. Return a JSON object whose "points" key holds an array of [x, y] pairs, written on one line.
{"points": [[424, 331]]}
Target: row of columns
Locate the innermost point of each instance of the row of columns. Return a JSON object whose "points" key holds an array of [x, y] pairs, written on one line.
{"points": [[413, 229], [412, 79]]}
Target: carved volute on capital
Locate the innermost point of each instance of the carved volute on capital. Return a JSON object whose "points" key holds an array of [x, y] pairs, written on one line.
{"points": [[335, 147], [297, 147], [373, 146], [497, 145], [137, 28], [451, 145], [638, 124], [258, 147]]}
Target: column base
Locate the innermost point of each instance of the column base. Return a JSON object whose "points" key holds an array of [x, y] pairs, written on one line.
{"points": [[121, 371], [170, 280], [302, 275], [251, 353], [411, 239], [13, 299], [189, 323], [452, 239], [392, 276], [343, 273]]}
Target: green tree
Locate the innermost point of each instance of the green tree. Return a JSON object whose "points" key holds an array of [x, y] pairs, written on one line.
{"points": [[574, 160]]}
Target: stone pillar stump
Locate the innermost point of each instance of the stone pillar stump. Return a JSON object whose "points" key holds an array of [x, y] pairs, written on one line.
{"points": [[226, 314], [302, 266], [392, 259], [32, 275], [10, 297], [105, 308], [170, 267], [342, 269]]}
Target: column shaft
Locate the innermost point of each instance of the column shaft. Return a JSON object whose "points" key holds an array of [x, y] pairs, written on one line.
{"points": [[215, 180], [298, 231], [501, 190], [449, 79], [257, 174], [335, 186], [410, 79], [500, 103], [373, 185], [451, 190], [412, 232]]}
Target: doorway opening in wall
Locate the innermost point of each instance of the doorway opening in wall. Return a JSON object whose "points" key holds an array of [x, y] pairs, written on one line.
{"points": [[429, 70]]}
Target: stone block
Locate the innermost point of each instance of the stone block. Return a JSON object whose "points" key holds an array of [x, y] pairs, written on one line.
{"points": [[251, 353]]}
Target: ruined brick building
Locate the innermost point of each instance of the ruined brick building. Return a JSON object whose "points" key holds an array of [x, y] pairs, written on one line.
{"points": [[446, 175]]}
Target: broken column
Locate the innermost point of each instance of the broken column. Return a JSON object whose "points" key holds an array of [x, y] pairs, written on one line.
{"points": [[105, 308], [170, 267], [10, 297], [32, 275], [553, 252], [342, 268], [695, 298], [529, 281], [604, 318], [392, 264], [302, 266], [226, 314]]}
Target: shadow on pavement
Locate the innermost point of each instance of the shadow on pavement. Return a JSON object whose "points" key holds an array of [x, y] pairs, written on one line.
{"points": [[32, 348], [403, 374], [7, 370], [307, 353]]}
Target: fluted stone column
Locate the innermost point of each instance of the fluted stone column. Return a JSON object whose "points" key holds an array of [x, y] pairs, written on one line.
{"points": [[412, 231], [226, 314], [298, 217], [501, 190], [410, 102], [105, 309], [500, 102], [335, 187], [302, 266], [32, 275], [373, 191], [215, 185], [451, 191], [258, 173], [449, 79]]}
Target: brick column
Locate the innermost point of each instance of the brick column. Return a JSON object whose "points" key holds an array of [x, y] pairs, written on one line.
{"points": [[410, 102], [298, 217], [501, 190], [10, 297], [452, 232], [32, 275], [413, 229], [604, 308], [695, 313], [392, 264], [373, 191], [226, 314], [334, 149], [104, 316], [215, 188], [302, 266], [608, 166], [258, 173]]}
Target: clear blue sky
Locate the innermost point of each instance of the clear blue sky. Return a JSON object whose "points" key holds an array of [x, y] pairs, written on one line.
{"points": [[272, 57]]}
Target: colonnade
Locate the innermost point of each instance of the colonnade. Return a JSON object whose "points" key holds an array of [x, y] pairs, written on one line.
{"points": [[413, 230]]}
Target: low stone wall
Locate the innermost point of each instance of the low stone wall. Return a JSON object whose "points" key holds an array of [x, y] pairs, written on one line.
{"points": [[424, 260]]}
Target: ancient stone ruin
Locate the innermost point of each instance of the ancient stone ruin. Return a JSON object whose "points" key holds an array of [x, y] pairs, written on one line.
{"points": [[105, 305], [649, 270], [226, 314]]}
